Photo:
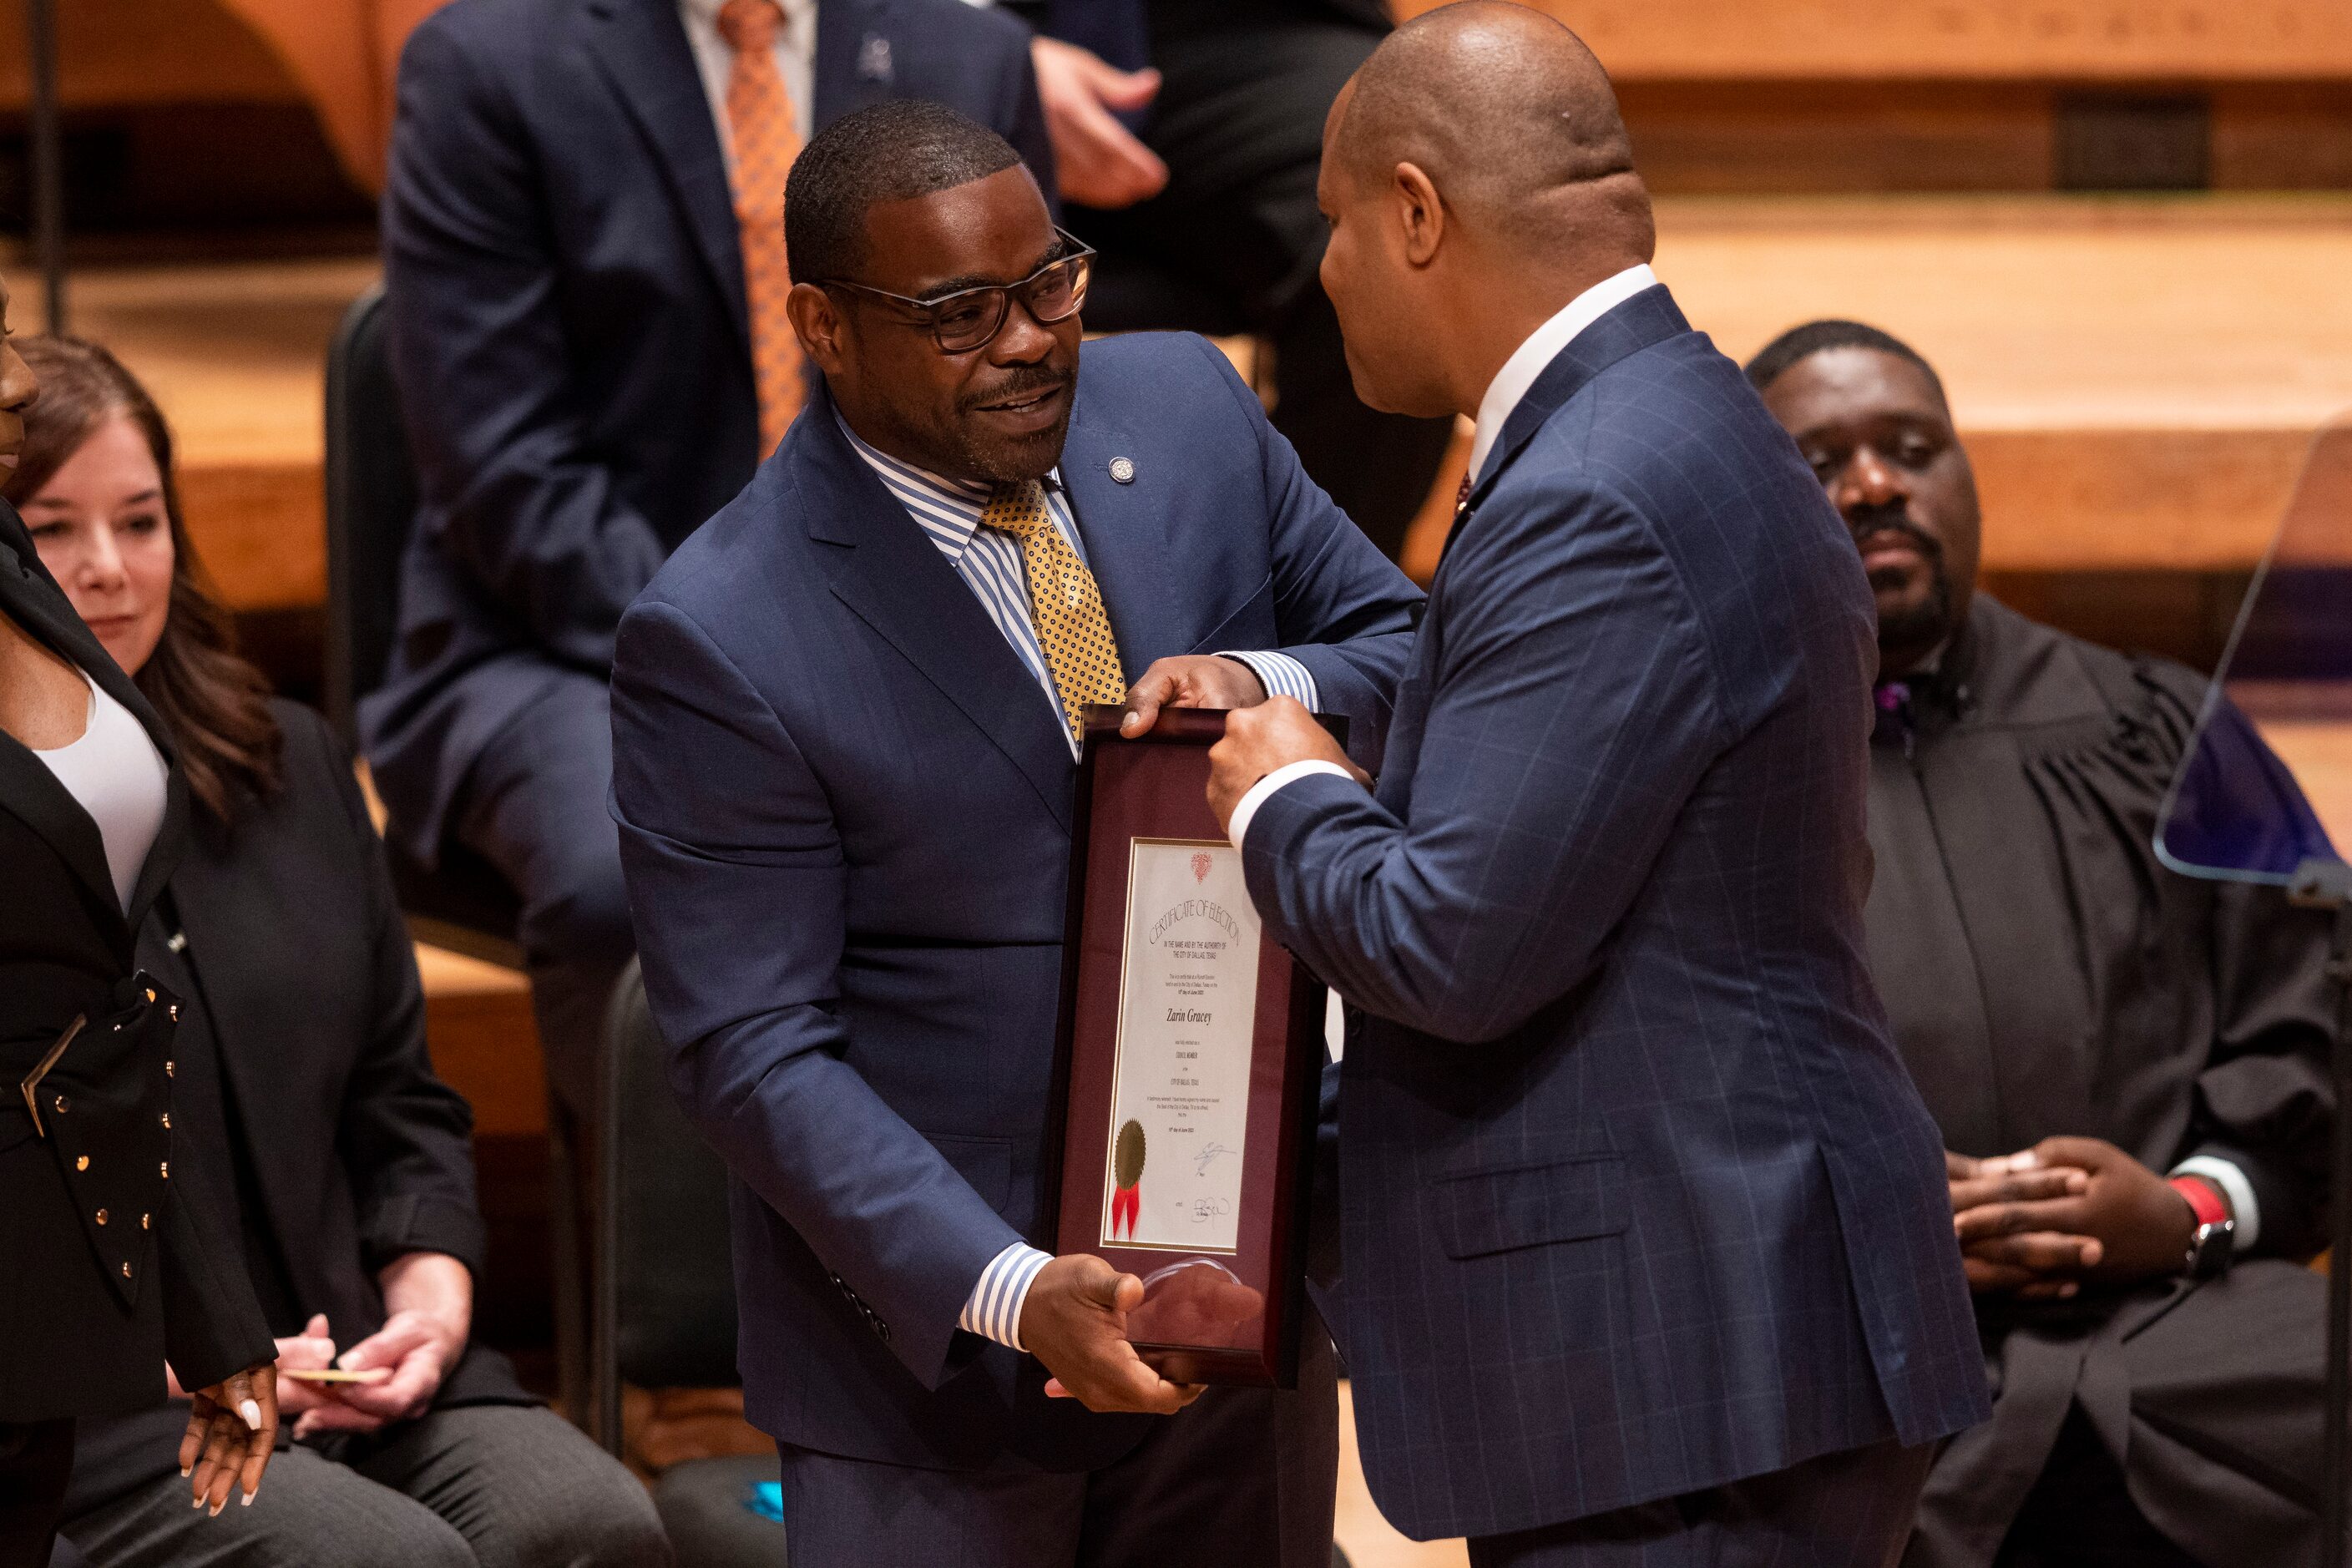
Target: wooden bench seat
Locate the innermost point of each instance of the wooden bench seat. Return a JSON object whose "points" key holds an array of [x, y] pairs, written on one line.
{"points": [[478, 1024], [2138, 379]]}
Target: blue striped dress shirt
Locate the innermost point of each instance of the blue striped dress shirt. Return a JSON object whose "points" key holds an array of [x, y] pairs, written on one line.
{"points": [[989, 561]]}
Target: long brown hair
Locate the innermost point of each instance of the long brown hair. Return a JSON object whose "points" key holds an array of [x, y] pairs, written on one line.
{"points": [[216, 705]]}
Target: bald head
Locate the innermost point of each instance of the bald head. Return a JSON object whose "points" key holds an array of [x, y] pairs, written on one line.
{"points": [[1512, 118]]}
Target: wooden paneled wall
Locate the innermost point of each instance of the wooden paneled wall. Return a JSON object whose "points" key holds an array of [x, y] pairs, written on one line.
{"points": [[1960, 40]]}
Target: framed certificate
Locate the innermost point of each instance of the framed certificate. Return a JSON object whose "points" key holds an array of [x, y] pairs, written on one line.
{"points": [[1193, 1044]]}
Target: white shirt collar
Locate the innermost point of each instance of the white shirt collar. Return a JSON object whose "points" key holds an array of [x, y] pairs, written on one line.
{"points": [[949, 510], [1543, 346]]}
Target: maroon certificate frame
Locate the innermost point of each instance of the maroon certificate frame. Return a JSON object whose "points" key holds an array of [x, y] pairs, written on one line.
{"points": [[1189, 1094]]}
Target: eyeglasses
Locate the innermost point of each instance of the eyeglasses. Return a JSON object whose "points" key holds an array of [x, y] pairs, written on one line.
{"points": [[970, 318]]}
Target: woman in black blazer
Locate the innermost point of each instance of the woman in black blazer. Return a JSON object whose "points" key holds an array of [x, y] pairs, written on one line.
{"points": [[303, 1040], [114, 1261]]}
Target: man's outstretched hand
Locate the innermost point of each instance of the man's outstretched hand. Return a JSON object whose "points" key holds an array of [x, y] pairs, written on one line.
{"points": [[1188, 680], [1074, 1321], [1274, 735]]}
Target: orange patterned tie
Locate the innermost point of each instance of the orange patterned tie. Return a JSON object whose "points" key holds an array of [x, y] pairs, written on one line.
{"points": [[759, 123], [1064, 604]]}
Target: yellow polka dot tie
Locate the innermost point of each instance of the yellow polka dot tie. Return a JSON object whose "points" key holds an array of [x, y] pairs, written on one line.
{"points": [[1064, 604], [766, 139]]}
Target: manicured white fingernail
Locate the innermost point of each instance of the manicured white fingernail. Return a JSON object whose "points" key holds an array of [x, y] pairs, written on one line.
{"points": [[251, 1411], [216, 1508], [245, 1501]]}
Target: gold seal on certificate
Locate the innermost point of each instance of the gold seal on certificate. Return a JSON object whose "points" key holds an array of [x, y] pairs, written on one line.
{"points": [[1187, 1012], [1193, 1044]]}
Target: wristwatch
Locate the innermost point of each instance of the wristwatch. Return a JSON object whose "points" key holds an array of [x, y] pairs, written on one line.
{"points": [[2211, 1243]]}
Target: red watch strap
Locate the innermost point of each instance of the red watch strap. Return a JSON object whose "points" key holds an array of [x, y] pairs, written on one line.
{"points": [[2204, 1198]]}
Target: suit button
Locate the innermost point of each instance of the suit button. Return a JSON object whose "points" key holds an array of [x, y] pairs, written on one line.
{"points": [[81, 1162], [100, 1217], [144, 1220], [166, 1169], [126, 1271], [167, 1068], [61, 1104], [167, 1121]]}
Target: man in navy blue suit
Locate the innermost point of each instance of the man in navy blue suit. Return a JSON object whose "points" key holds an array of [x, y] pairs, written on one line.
{"points": [[566, 283], [1647, 1255], [844, 750]]}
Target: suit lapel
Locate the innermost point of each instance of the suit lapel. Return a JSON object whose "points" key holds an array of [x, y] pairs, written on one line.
{"points": [[246, 1004], [30, 791], [641, 48], [1649, 317], [855, 63], [1136, 563], [893, 578]]}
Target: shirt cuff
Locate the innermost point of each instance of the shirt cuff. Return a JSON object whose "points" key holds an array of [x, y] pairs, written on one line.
{"points": [[1281, 675], [995, 1310], [2244, 1207], [1263, 791]]}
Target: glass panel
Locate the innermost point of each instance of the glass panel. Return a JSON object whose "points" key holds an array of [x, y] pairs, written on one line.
{"points": [[2234, 811]]}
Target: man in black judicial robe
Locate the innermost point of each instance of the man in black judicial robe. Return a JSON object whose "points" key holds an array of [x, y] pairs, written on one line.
{"points": [[2116, 1053]]}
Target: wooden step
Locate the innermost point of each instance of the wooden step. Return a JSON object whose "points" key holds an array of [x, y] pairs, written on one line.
{"points": [[2138, 378], [1790, 137], [478, 1024]]}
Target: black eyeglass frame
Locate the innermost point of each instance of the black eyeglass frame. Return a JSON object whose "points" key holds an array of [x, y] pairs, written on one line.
{"points": [[1079, 255]]}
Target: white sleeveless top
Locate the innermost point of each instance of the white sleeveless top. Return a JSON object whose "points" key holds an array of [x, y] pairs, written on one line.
{"points": [[118, 775]]}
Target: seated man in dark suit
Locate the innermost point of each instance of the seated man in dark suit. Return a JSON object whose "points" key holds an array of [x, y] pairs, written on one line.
{"points": [[585, 272], [2129, 1065], [845, 721]]}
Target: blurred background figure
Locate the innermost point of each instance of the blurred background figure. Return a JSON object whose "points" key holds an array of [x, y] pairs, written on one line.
{"points": [[2129, 1065], [585, 272], [301, 1046], [1185, 136]]}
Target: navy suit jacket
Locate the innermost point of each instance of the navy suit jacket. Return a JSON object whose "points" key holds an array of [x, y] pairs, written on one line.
{"points": [[564, 286], [844, 809], [1635, 1196]]}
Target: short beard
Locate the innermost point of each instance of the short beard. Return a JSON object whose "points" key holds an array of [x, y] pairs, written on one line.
{"points": [[1912, 633], [1011, 462]]}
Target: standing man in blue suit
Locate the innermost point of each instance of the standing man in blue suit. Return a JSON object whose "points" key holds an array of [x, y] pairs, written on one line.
{"points": [[566, 282], [1646, 1254], [845, 722]]}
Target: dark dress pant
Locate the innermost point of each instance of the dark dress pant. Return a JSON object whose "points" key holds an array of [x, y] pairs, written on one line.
{"points": [[1847, 1510], [1239, 121], [492, 1486], [1244, 1477], [36, 1461], [534, 806]]}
